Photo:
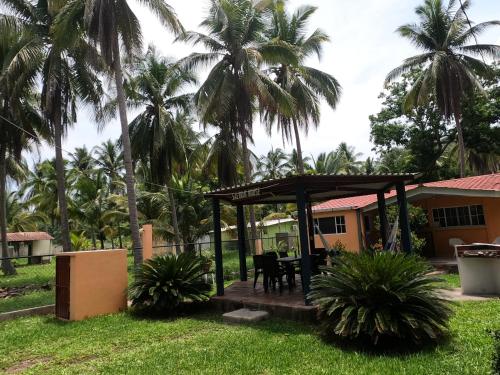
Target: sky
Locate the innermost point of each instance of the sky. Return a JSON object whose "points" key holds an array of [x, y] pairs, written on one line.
{"points": [[363, 49]]}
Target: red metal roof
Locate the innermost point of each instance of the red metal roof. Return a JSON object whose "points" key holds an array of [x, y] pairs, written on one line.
{"points": [[490, 182], [28, 236]]}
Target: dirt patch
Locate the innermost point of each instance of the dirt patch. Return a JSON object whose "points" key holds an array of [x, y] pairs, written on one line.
{"points": [[21, 290], [26, 364], [79, 360]]}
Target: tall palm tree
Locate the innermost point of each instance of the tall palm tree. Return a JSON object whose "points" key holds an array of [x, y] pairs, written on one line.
{"points": [[305, 84], [109, 159], [295, 164], [111, 24], [68, 74], [448, 70], [157, 84], [348, 159], [273, 165], [327, 163], [236, 86], [19, 118]]}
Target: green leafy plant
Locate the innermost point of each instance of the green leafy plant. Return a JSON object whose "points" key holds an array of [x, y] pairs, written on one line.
{"points": [[381, 298], [165, 282]]}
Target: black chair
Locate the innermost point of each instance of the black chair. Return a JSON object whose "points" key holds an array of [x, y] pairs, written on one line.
{"points": [[258, 264], [273, 272], [283, 254], [290, 269]]}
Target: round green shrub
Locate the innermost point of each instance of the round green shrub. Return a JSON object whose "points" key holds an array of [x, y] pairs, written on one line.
{"points": [[165, 282], [381, 297]]}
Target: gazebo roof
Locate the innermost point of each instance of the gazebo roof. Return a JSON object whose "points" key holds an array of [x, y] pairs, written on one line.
{"points": [[318, 187]]}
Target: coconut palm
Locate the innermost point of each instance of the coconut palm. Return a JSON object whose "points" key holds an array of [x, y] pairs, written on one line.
{"points": [[273, 165], [20, 218], [19, 118], [327, 163], [235, 85], [305, 84], [294, 164], [112, 25], [109, 158], [448, 69], [157, 85], [348, 159], [67, 72]]}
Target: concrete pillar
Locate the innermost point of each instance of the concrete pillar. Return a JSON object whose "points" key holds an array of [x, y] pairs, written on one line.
{"points": [[147, 241]]}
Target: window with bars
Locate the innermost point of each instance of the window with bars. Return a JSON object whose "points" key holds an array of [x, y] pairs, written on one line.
{"points": [[332, 225], [459, 216]]}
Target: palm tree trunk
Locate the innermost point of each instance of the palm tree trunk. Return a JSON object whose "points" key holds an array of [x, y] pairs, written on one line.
{"points": [[248, 178], [300, 161], [120, 237], [175, 222], [461, 143], [127, 155], [7, 267], [60, 175]]}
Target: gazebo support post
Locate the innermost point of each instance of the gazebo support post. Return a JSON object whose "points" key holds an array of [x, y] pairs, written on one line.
{"points": [[219, 274], [310, 226], [382, 214], [304, 240], [403, 218], [240, 218]]}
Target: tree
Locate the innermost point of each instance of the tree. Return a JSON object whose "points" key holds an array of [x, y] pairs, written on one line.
{"points": [[110, 23], [156, 135], [422, 130], [273, 165], [236, 86], [68, 74], [109, 159], [306, 85], [449, 72], [19, 118], [348, 159]]}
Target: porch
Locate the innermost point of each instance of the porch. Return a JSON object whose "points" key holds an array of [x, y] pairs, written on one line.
{"points": [[302, 190], [289, 304]]}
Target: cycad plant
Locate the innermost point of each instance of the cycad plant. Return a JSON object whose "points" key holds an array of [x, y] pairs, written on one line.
{"points": [[163, 283], [449, 69], [381, 298]]}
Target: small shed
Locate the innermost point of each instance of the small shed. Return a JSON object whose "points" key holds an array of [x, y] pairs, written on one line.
{"points": [[30, 244]]}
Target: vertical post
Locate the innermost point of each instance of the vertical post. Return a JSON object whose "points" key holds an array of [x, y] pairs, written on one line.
{"points": [[382, 214], [304, 240], [310, 222], [147, 241], [403, 218], [219, 275], [240, 219], [361, 242]]}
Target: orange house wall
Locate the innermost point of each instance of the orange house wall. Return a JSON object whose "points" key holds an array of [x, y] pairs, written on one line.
{"points": [[350, 239], [469, 234]]}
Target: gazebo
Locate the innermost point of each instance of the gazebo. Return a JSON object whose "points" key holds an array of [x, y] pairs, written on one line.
{"points": [[304, 190]]}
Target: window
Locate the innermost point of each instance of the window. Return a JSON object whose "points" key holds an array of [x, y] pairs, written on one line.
{"points": [[331, 225], [458, 216]]}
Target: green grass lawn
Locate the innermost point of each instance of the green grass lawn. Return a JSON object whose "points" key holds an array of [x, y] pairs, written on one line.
{"points": [[39, 274], [203, 344]]}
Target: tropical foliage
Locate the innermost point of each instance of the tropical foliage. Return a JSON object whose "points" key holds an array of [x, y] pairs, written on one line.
{"points": [[383, 298], [165, 282]]}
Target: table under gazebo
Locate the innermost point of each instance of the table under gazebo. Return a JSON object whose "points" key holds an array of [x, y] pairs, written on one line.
{"points": [[305, 190]]}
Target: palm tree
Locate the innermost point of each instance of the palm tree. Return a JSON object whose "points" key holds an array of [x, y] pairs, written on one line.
{"points": [[235, 85], [327, 163], [111, 24], [109, 159], [273, 165], [305, 84], [448, 70], [348, 159], [294, 164], [19, 118], [68, 74], [156, 133], [20, 218]]}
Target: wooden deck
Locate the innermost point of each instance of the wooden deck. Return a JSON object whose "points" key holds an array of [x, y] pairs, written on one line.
{"points": [[288, 304]]}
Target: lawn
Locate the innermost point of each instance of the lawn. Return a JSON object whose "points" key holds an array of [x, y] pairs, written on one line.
{"points": [[203, 344]]}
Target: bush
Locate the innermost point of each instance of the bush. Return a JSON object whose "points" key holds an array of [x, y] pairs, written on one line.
{"points": [[165, 282], [383, 298]]}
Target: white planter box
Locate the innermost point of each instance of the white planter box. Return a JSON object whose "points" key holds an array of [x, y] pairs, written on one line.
{"points": [[478, 275]]}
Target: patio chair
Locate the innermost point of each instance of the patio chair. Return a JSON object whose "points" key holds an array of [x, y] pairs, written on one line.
{"points": [[258, 264], [273, 272]]}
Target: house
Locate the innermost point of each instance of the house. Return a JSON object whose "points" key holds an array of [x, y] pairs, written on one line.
{"points": [[459, 210], [30, 244], [267, 231]]}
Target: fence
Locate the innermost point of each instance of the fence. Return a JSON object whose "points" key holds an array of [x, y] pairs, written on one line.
{"points": [[33, 285]]}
